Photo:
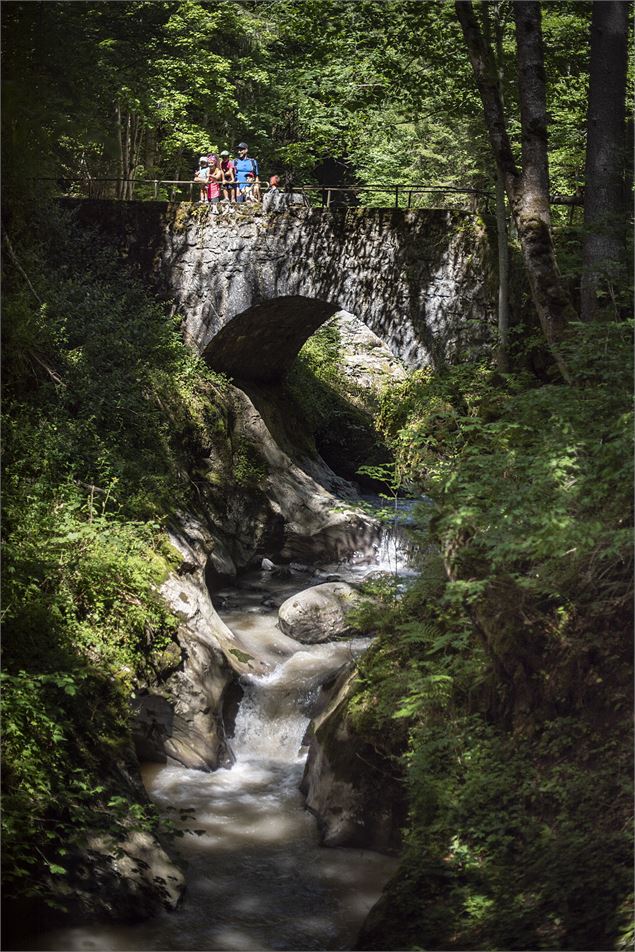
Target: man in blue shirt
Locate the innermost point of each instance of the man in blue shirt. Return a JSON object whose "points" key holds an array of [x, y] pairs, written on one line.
{"points": [[244, 165]]}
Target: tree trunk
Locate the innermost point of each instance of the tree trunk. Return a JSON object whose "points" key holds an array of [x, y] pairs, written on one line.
{"points": [[122, 173], [126, 153], [177, 176], [150, 151], [502, 356], [604, 197], [548, 292], [528, 193], [130, 150], [134, 157]]}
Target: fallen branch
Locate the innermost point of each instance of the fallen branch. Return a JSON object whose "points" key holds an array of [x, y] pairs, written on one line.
{"points": [[14, 259], [90, 486]]}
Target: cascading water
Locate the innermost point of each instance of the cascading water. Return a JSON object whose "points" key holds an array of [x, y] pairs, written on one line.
{"points": [[257, 878], [275, 709], [392, 550]]}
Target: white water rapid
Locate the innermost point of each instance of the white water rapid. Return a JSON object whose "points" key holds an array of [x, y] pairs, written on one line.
{"points": [[257, 878]]}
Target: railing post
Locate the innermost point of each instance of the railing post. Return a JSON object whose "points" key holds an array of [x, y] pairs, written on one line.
{"points": [[181, 190]]}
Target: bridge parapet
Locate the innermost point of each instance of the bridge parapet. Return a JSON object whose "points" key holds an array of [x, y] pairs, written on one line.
{"points": [[253, 285]]}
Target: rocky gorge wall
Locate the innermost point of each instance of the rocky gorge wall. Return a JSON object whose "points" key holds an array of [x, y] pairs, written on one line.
{"points": [[286, 508], [252, 286]]}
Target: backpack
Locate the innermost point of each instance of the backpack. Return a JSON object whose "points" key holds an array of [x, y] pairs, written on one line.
{"points": [[254, 165]]}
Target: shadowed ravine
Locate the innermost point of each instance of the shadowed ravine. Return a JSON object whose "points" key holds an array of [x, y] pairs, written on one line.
{"points": [[257, 877]]}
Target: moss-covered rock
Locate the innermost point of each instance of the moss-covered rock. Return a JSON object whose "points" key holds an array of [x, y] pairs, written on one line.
{"points": [[355, 790]]}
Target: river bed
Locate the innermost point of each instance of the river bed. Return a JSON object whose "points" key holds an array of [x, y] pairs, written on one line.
{"points": [[257, 878]]}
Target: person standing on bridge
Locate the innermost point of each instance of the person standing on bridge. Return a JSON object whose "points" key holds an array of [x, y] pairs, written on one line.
{"points": [[201, 175], [243, 166], [215, 177], [229, 177]]}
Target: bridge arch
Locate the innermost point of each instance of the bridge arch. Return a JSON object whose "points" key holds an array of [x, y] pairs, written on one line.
{"points": [[251, 285], [261, 343]]}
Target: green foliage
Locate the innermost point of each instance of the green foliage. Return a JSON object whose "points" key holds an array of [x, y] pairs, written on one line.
{"points": [[248, 467], [105, 415], [61, 733], [502, 673], [315, 380], [337, 411], [526, 475], [506, 663], [163, 65], [384, 87]]}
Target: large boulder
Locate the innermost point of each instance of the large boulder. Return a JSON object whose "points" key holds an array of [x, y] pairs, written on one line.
{"points": [[318, 614], [134, 879], [178, 719], [355, 790]]}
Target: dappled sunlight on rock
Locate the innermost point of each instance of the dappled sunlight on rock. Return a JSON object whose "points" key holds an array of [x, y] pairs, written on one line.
{"points": [[256, 875]]}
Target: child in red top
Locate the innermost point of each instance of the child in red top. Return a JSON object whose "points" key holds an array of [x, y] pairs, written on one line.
{"points": [[251, 191], [215, 177], [229, 177]]}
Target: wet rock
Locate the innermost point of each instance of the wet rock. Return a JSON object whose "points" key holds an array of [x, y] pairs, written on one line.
{"points": [[318, 614], [295, 515], [169, 660], [351, 787], [128, 881], [177, 719], [282, 571], [129, 876], [301, 567], [230, 703], [148, 872]]}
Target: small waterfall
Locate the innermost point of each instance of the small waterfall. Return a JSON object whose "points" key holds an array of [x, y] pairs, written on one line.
{"points": [[269, 724], [257, 877], [276, 708], [391, 549]]}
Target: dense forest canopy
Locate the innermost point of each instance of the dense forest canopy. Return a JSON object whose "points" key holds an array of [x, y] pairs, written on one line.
{"points": [[385, 89], [498, 690]]}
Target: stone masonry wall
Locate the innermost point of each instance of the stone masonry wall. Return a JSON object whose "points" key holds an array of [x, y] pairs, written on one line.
{"points": [[253, 285]]}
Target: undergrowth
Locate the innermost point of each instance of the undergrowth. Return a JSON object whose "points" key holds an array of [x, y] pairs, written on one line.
{"points": [[338, 413], [508, 662], [105, 413]]}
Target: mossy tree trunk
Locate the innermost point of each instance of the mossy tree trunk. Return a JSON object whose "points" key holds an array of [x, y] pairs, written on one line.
{"points": [[527, 189]]}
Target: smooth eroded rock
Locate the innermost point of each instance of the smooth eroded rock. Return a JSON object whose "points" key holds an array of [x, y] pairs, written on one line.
{"points": [[354, 789], [319, 613]]}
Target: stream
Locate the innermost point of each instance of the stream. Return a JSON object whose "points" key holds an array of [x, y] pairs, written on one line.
{"points": [[257, 878]]}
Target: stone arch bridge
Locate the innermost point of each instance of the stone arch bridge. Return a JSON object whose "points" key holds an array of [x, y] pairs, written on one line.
{"points": [[252, 286]]}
